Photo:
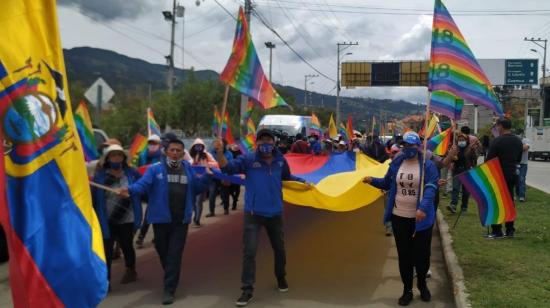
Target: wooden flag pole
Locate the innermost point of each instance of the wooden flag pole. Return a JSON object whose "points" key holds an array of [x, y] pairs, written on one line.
{"points": [[224, 106], [107, 188], [425, 148]]}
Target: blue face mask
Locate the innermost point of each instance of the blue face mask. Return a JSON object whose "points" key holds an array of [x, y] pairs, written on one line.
{"points": [[265, 148], [462, 144], [410, 152], [115, 166]]}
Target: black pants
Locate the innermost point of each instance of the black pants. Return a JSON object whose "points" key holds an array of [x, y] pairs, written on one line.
{"points": [[413, 250], [274, 228], [235, 192], [224, 194], [511, 182], [124, 235], [169, 243]]}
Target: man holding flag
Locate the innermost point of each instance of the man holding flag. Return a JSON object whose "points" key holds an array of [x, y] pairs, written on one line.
{"points": [[508, 148]]}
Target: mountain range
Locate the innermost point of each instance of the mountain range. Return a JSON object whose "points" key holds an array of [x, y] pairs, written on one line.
{"points": [[125, 74]]}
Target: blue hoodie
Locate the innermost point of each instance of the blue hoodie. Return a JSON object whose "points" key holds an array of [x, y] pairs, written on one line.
{"points": [[100, 206], [389, 183], [154, 183], [263, 183]]}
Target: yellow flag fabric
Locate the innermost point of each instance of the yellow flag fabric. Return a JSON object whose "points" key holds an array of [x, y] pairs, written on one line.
{"points": [[332, 129], [339, 192], [56, 246]]}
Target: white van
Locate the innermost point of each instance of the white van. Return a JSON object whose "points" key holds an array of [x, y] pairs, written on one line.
{"points": [[289, 125]]}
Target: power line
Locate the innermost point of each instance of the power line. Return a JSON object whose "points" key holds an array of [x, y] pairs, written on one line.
{"points": [[258, 15]]}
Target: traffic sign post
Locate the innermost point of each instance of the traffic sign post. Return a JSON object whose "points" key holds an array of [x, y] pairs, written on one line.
{"points": [[521, 71], [99, 94]]}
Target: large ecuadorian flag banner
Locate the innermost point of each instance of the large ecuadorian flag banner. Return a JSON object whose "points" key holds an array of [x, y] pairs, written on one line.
{"points": [[337, 180], [54, 238]]}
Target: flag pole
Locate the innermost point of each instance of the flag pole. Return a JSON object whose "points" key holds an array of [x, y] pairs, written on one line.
{"points": [[425, 147], [224, 106], [147, 119]]}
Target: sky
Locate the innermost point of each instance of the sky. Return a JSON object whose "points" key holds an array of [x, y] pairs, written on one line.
{"points": [[385, 30]]}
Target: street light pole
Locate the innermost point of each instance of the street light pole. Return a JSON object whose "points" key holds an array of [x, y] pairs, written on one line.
{"points": [[305, 86], [345, 45], [270, 45], [537, 42]]}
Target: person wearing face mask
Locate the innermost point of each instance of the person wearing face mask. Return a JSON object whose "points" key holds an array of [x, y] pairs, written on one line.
{"points": [[412, 215], [201, 157], [171, 185], [118, 216], [466, 160], [263, 205], [314, 144]]}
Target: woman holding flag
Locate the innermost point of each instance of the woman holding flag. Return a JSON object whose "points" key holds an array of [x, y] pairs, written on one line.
{"points": [[410, 208]]}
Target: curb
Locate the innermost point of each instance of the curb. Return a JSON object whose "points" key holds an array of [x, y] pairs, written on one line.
{"points": [[453, 268]]}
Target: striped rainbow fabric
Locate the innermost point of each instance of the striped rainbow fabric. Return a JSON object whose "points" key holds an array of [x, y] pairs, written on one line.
{"points": [[226, 129], [216, 121], [247, 144], [439, 144], [315, 124], [455, 70], [139, 144], [487, 186], [244, 72], [152, 126], [85, 132], [349, 128], [343, 131], [250, 127]]}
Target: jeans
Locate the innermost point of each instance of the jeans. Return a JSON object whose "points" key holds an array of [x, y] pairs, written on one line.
{"points": [[274, 228], [169, 243], [520, 189], [124, 235], [197, 207], [413, 250], [457, 187], [212, 193]]}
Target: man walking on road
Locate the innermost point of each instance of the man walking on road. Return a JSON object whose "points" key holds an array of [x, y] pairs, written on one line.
{"points": [[521, 188], [171, 186], [508, 148], [264, 170]]}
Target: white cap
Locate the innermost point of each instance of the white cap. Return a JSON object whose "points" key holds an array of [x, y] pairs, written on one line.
{"points": [[342, 142], [154, 138], [114, 148]]}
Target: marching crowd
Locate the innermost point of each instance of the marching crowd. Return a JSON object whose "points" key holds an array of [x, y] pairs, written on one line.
{"points": [[176, 182]]}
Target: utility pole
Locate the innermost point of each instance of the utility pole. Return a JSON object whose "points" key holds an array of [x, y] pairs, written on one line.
{"points": [[305, 87], [270, 45], [181, 13], [345, 46], [538, 42], [171, 17]]}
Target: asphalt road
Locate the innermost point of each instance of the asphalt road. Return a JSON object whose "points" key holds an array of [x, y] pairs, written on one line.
{"points": [[538, 175], [334, 260]]}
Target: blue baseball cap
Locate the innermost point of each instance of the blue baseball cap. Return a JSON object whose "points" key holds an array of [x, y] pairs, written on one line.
{"points": [[412, 138]]}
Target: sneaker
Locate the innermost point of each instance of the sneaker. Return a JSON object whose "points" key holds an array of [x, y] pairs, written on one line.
{"points": [[168, 298], [388, 231], [197, 224], [429, 273], [464, 210], [425, 294], [509, 234], [406, 298], [226, 212], [139, 243], [495, 236], [451, 208], [129, 276], [521, 199], [210, 215], [282, 285], [245, 298]]}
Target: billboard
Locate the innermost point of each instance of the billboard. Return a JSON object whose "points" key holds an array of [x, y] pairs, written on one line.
{"points": [[415, 73]]}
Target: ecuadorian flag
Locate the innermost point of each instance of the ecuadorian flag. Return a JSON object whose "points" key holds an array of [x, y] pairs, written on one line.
{"points": [[55, 242]]}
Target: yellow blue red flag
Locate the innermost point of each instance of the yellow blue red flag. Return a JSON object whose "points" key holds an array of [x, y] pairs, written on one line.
{"points": [[55, 242]]}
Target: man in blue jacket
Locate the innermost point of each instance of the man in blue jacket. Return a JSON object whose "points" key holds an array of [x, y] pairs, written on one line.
{"points": [[171, 186], [265, 170]]}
